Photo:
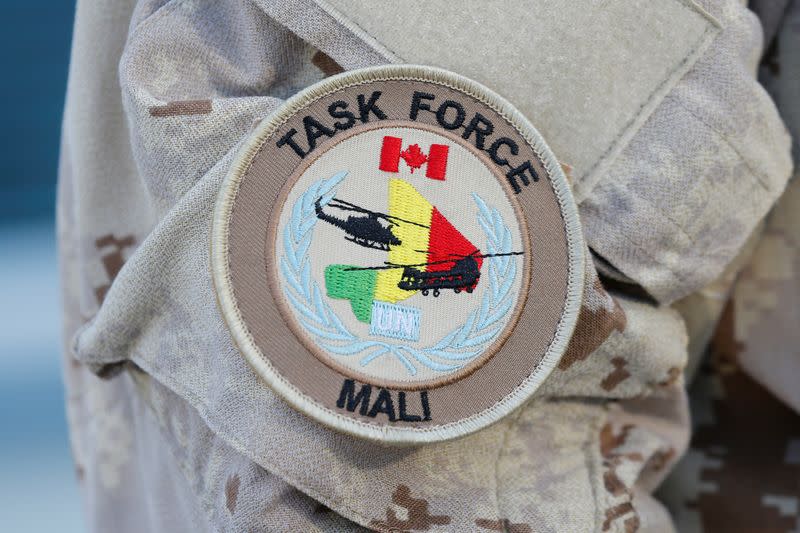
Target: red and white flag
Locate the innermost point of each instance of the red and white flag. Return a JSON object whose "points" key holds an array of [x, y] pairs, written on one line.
{"points": [[435, 160]]}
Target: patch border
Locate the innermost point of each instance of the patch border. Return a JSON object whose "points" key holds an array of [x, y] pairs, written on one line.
{"points": [[221, 272]]}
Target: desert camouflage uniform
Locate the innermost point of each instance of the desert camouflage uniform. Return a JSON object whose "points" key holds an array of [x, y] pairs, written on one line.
{"points": [[172, 431], [742, 469]]}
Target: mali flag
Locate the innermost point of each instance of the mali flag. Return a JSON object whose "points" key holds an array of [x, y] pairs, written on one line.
{"points": [[431, 243]]}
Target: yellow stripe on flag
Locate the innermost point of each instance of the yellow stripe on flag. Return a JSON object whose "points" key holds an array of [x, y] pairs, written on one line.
{"points": [[405, 203]]}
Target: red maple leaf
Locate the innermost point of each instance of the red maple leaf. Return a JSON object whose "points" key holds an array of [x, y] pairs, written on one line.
{"points": [[414, 157]]}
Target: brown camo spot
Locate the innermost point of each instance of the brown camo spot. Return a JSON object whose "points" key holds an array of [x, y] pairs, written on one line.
{"points": [[609, 442], [419, 518], [751, 439], [232, 492], [660, 459], [504, 525], [594, 326], [182, 108], [326, 64], [613, 483], [112, 261], [631, 524], [617, 376], [673, 375]]}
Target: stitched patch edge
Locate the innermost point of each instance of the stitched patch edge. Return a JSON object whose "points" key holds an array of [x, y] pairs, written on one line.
{"points": [[221, 273]]}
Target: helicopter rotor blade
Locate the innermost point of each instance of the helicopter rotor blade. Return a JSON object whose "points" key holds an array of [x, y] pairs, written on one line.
{"points": [[389, 266], [489, 256], [392, 218], [347, 206], [461, 256], [474, 254]]}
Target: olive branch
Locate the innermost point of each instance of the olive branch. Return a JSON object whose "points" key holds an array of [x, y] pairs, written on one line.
{"points": [[453, 351]]}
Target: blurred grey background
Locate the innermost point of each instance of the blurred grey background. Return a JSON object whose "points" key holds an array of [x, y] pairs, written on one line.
{"points": [[38, 488]]}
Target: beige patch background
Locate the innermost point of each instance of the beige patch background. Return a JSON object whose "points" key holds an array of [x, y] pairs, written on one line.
{"points": [[367, 186]]}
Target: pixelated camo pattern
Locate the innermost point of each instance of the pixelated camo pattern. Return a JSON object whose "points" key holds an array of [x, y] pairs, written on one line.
{"points": [[172, 431]]}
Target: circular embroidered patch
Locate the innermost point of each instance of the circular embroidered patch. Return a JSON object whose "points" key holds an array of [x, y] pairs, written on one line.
{"points": [[397, 254]]}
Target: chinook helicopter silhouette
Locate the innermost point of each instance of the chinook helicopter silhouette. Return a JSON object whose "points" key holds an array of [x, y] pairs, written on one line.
{"points": [[462, 276], [365, 230]]}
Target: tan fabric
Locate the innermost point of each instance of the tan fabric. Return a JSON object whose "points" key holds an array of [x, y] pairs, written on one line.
{"points": [[740, 473], [744, 400], [765, 303], [596, 109], [162, 93]]}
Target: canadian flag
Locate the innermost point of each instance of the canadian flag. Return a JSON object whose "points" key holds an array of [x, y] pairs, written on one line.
{"points": [[435, 160]]}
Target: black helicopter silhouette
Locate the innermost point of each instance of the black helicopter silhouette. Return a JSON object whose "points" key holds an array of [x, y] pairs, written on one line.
{"points": [[463, 276], [365, 230]]}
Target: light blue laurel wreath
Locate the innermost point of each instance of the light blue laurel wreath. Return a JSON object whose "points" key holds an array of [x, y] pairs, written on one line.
{"points": [[453, 351]]}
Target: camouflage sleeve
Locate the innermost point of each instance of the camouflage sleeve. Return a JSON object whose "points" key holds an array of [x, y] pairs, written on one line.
{"points": [[764, 302], [745, 400], [172, 429]]}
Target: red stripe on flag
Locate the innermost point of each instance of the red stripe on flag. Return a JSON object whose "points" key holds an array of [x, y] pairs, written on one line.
{"points": [[390, 153], [437, 162]]}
